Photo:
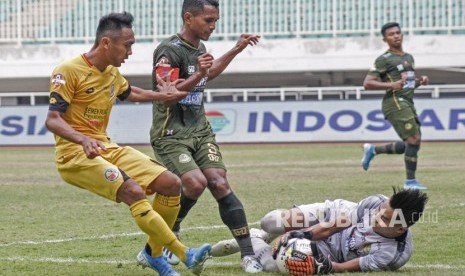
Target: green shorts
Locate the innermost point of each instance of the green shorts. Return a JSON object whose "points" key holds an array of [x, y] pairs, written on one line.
{"points": [[183, 155], [405, 122]]}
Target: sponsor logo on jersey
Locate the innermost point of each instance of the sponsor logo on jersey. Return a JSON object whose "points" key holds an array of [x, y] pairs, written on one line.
{"points": [[111, 174], [193, 98], [184, 158], [191, 69], [58, 80]]}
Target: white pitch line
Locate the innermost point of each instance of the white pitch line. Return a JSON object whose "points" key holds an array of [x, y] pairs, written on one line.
{"points": [[440, 266], [106, 237]]}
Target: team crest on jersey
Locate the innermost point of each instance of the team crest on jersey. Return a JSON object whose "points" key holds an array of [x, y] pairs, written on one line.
{"points": [[52, 100], [58, 80], [163, 61], [111, 174], [366, 249], [184, 158]]}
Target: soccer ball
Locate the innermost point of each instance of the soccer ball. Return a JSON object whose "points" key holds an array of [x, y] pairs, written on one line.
{"points": [[296, 249]]}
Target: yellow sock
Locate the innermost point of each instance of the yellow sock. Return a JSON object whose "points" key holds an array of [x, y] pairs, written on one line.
{"points": [[168, 208], [155, 226]]}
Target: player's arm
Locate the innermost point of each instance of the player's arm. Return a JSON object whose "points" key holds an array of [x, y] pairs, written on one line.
{"points": [[324, 230], [56, 124], [349, 266], [220, 64], [374, 83], [167, 94]]}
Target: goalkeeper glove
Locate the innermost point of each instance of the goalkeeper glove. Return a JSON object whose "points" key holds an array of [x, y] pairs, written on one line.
{"points": [[310, 266], [323, 265], [300, 234]]}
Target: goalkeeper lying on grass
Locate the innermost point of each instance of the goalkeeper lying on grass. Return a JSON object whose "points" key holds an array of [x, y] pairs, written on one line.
{"points": [[371, 235]]}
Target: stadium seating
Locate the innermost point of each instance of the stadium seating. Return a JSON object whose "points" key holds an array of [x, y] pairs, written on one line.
{"points": [[73, 21]]}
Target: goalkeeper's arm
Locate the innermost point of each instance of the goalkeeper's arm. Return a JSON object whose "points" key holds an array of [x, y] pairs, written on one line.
{"points": [[324, 230], [349, 266]]}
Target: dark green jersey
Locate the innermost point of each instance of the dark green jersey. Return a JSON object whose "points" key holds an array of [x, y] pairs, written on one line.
{"points": [[187, 118], [390, 67]]}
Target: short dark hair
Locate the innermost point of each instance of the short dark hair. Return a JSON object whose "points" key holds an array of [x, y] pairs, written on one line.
{"points": [[113, 22], [411, 201], [388, 26], [196, 6]]}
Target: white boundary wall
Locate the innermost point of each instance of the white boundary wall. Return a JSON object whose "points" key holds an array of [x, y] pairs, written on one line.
{"points": [[303, 121], [288, 55]]}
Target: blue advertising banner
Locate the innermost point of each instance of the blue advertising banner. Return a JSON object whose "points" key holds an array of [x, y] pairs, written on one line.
{"points": [[302, 121]]}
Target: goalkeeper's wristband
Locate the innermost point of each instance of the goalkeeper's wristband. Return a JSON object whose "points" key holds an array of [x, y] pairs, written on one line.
{"points": [[308, 234]]}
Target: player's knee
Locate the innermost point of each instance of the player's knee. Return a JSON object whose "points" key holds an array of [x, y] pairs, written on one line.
{"points": [[130, 192], [219, 187], [194, 185], [273, 222], [167, 184]]}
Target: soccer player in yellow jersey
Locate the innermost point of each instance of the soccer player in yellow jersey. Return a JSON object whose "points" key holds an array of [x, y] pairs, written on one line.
{"points": [[82, 93]]}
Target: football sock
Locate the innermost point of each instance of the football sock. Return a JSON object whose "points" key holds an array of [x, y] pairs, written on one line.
{"points": [[397, 147], [233, 215], [410, 158], [167, 207], [153, 225], [186, 206]]}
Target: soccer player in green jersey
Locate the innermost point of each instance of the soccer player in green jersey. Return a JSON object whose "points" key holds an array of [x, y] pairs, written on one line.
{"points": [[394, 71], [181, 135], [83, 91]]}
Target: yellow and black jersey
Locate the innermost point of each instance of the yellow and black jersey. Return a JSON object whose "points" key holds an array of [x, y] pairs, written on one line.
{"points": [[85, 96]]}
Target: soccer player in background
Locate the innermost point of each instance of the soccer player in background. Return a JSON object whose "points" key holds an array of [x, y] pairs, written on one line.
{"points": [[371, 235], [181, 135], [394, 71], [83, 91]]}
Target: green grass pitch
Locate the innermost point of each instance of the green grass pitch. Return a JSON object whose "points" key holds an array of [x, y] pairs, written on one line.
{"points": [[48, 227]]}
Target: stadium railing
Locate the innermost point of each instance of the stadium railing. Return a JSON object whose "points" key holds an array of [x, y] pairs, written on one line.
{"points": [[75, 21], [268, 94]]}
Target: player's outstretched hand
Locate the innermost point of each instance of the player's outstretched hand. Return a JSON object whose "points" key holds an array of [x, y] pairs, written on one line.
{"points": [[245, 40], [169, 90]]}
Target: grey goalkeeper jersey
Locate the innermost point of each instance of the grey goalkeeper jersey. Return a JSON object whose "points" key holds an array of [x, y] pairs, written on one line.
{"points": [[360, 241]]}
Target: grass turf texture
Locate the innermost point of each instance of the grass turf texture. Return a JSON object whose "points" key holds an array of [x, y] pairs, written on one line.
{"points": [[48, 227]]}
